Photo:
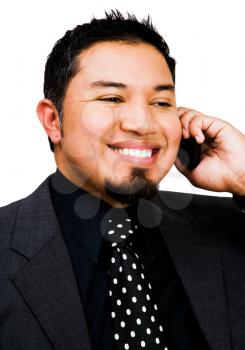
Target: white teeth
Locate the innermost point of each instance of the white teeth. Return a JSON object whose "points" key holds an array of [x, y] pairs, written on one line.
{"points": [[141, 153]]}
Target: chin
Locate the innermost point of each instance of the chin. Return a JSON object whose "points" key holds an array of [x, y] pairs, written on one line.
{"points": [[138, 186]]}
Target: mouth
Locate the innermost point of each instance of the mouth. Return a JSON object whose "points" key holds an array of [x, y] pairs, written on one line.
{"points": [[136, 152], [138, 155]]}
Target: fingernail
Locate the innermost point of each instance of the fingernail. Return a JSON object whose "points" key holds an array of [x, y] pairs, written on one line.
{"points": [[199, 138], [185, 132]]}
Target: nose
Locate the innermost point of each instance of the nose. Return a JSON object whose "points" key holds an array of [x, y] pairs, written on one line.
{"points": [[138, 119]]}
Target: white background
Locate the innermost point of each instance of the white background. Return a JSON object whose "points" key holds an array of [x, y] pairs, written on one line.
{"points": [[205, 37]]}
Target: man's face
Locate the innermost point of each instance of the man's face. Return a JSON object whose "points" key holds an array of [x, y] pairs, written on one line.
{"points": [[121, 128]]}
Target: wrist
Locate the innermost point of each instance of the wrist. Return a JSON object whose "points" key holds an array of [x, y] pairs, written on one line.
{"points": [[238, 186]]}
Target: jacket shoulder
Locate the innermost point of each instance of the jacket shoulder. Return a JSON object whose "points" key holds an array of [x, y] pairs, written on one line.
{"points": [[9, 212], [210, 210]]}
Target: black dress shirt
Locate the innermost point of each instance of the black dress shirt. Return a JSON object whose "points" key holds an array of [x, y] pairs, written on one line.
{"points": [[80, 214]]}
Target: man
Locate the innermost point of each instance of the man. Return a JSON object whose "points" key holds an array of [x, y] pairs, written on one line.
{"points": [[111, 117]]}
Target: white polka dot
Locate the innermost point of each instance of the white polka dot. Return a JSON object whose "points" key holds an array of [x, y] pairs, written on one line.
{"points": [[110, 220], [142, 276], [132, 333], [110, 293], [113, 315], [128, 312], [128, 219], [155, 306], [115, 280], [157, 340], [148, 297], [136, 226], [126, 346], [124, 256], [143, 308], [113, 244], [138, 321], [124, 290], [118, 249], [148, 331], [130, 231], [134, 266], [142, 343], [120, 225], [134, 299], [113, 260], [139, 287], [111, 232], [160, 329], [165, 348], [152, 318], [136, 255], [122, 324], [149, 285], [119, 302], [120, 268], [116, 336], [129, 278], [123, 236], [142, 266]]}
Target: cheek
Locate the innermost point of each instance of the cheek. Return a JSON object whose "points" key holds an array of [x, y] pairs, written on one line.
{"points": [[172, 131], [90, 129], [96, 122], [76, 146]]}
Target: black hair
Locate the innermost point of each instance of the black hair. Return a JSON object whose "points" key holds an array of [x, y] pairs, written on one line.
{"points": [[62, 62]]}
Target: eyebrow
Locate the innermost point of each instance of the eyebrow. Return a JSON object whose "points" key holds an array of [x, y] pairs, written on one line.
{"points": [[105, 83]]}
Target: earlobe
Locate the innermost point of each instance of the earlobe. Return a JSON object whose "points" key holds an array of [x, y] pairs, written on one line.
{"points": [[49, 118]]}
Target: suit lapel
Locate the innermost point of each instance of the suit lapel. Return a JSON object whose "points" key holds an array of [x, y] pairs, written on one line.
{"points": [[46, 280], [199, 268], [195, 254]]}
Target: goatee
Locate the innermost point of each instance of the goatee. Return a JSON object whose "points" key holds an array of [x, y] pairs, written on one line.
{"points": [[132, 191]]}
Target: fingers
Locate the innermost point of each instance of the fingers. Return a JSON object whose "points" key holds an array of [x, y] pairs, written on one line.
{"points": [[186, 117], [198, 125]]}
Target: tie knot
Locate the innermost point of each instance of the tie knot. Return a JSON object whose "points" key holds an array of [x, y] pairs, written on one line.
{"points": [[117, 230]]}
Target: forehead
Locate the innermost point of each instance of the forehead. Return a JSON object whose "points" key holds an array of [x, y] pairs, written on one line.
{"points": [[124, 61]]}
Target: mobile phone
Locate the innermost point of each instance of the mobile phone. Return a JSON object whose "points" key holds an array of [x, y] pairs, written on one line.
{"points": [[189, 152]]}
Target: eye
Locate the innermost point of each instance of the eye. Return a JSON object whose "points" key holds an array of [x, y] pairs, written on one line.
{"points": [[161, 104], [112, 99]]}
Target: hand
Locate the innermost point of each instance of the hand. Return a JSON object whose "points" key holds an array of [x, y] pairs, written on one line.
{"points": [[222, 165]]}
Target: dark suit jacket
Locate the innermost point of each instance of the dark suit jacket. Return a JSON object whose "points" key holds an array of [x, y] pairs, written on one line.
{"points": [[40, 306]]}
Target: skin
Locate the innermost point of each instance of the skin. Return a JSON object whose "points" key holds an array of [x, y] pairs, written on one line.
{"points": [[135, 113], [222, 166], [90, 124]]}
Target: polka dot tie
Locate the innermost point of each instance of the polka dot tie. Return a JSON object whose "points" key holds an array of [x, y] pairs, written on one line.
{"points": [[134, 313]]}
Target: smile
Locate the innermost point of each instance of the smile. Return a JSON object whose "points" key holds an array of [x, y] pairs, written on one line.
{"points": [[132, 152], [139, 156]]}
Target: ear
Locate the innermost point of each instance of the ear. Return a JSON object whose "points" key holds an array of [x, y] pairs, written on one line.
{"points": [[49, 117]]}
